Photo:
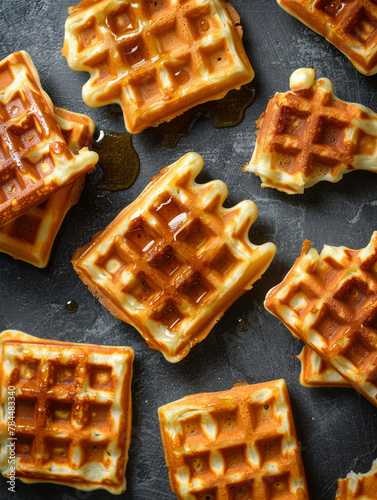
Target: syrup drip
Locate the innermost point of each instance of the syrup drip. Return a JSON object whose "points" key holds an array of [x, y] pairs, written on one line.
{"points": [[242, 324], [71, 306], [223, 113], [117, 157]]}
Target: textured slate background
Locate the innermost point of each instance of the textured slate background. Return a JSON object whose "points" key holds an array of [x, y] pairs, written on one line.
{"points": [[337, 427]]}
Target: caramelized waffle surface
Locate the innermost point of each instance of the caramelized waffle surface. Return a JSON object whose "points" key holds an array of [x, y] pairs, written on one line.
{"points": [[315, 372], [308, 135], [156, 59], [358, 486], [35, 160], [173, 261], [234, 444], [328, 300], [351, 25], [72, 418], [30, 237]]}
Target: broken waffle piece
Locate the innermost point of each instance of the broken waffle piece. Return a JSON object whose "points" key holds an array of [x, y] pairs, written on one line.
{"points": [[308, 135], [35, 160], [350, 25], [317, 373], [30, 237], [328, 300], [173, 261], [156, 59], [234, 444], [358, 486], [69, 407]]}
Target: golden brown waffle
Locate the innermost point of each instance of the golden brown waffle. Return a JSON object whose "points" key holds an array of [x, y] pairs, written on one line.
{"points": [[35, 160], [30, 237], [308, 135], [234, 444], [71, 422], [317, 373], [329, 302], [358, 486], [156, 59], [174, 260], [351, 25]]}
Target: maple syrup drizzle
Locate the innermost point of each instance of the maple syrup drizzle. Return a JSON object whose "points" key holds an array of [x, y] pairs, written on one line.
{"points": [[117, 157], [226, 112]]}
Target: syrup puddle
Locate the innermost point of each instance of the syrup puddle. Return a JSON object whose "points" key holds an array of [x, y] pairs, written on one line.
{"points": [[117, 157]]}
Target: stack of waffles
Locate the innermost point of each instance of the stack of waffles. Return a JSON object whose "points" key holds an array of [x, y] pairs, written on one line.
{"points": [[351, 25], [156, 59], [329, 301], [35, 158]]}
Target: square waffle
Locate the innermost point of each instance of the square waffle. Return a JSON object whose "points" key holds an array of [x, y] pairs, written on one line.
{"points": [[329, 302], [358, 486], [30, 237], [155, 58], [35, 160], [234, 444], [351, 25], [308, 135], [72, 419], [173, 261], [317, 373]]}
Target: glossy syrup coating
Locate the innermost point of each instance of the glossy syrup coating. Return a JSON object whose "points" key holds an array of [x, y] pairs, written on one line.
{"points": [[155, 59], [35, 159], [173, 261]]}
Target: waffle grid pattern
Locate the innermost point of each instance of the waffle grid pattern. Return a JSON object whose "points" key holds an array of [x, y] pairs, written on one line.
{"points": [[30, 237], [173, 260], [329, 301], [156, 59], [309, 136], [72, 409], [350, 25], [34, 157], [235, 444]]}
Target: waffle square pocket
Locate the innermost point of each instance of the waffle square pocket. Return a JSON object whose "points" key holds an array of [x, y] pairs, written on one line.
{"points": [[173, 261], [156, 59], [328, 300], [233, 444], [35, 160], [66, 411], [30, 237]]}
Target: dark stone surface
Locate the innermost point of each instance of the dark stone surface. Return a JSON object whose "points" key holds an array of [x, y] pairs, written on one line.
{"points": [[337, 427]]}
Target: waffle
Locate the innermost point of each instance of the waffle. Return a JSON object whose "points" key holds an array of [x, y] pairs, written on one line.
{"points": [[174, 260], [155, 59], [35, 160], [72, 419], [237, 444], [329, 301], [308, 135], [351, 25], [30, 237], [358, 486], [317, 373]]}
